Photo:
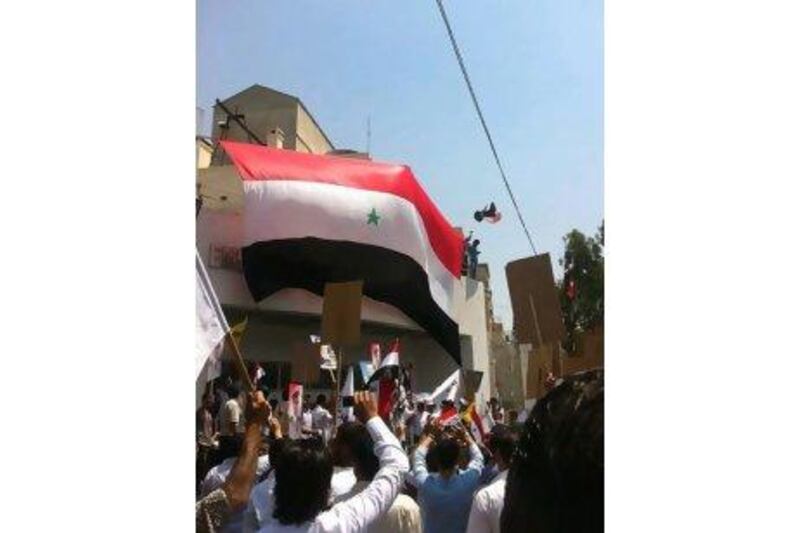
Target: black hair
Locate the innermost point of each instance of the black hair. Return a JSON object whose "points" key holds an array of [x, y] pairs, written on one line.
{"points": [[356, 437], [503, 440], [233, 389], [229, 446], [447, 452], [321, 399], [432, 458], [555, 482], [302, 481]]}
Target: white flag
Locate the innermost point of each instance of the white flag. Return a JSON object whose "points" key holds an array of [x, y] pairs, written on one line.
{"points": [[448, 389], [210, 333]]}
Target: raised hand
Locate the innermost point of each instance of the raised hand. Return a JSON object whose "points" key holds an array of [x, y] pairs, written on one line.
{"points": [[364, 406], [258, 409]]}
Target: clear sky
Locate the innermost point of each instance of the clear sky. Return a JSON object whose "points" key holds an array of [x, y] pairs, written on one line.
{"points": [[536, 65]]}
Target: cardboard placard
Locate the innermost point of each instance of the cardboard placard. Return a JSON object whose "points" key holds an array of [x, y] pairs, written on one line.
{"points": [[589, 355], [534, 301], [305, 362], [472, 382], [341, 313], [540, 363]]}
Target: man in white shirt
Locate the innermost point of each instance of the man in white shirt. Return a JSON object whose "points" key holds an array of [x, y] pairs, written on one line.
{"points": [[231, 415], [218, 510], [353, 445], [216, 477], [303, 476], [487, 505], [307, 421], [496, 411], [418, 421], [261, 505], [321, 419]]}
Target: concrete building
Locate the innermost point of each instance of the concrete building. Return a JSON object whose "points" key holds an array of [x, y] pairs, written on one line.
{"points": [[279, 326], [482, 276], [505, 369], [508, 383], [205, 149], [281, 120]]}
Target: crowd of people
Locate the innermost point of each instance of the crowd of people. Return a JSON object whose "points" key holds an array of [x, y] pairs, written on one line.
{"points": [[261, 470]]}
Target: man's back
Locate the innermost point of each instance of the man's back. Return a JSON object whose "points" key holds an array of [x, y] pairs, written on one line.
{"points": [[362, 510], [484, 517], [231, 414], [445, 502], [320, 417], [321, 420], [402, 517]]}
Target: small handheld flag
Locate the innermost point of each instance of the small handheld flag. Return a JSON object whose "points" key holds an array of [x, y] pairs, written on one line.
{"points": [[490, 214], [389, 367]]}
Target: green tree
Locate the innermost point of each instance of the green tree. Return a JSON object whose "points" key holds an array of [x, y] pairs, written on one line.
{"points": [[581, 289]]}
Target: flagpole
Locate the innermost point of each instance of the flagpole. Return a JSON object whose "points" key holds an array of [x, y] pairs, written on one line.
{"points": [[239, 360], [339, 365]]}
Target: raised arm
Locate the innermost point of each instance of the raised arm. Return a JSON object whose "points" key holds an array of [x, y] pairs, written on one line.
{"points": [[214, 510], [475, 455], [356, 513], [238, 484], [420, 467]]}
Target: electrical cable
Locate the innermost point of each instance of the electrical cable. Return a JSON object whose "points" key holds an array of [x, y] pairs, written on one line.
{"points": [[460, 59]]}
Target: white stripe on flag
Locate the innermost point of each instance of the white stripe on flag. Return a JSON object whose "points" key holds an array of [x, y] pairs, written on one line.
{"points": [[276, 210], [391, 359]]}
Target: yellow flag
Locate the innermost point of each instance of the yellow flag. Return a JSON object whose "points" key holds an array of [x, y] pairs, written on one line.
{"points": [[237, 331], [466, 416]]}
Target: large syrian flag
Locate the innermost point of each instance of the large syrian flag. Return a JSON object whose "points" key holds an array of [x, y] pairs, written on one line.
{"points": [[311, 219]]}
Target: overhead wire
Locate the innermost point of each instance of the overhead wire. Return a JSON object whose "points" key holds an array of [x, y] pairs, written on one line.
{"points": [[460, 59]]}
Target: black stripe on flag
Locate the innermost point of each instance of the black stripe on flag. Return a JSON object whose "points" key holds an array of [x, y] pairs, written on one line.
{"points": [[390, 277], [384, 372]]}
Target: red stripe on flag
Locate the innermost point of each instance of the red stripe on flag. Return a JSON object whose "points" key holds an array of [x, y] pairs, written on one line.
{"points": [[259, 163], [476, 419], [448, 415], [385, 391]]}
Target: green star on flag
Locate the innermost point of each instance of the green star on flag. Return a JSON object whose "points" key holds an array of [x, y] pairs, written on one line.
{"points": [[372, 217]]}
